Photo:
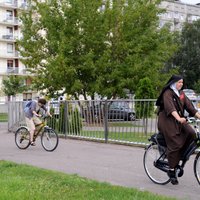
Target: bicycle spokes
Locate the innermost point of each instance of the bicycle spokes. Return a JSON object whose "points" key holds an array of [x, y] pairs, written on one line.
{"points": [[49, 139], [22, 137]]}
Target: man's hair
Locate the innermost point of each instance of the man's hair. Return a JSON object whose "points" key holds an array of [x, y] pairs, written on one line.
{"points": [[42, 101]]}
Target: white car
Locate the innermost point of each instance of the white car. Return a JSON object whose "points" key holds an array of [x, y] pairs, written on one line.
{"points": [[195, 104], [190, 93], [56, 106]]}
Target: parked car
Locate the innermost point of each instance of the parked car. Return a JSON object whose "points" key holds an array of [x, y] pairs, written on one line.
{"points": [[196, 105], [190, 93], [116, 110], [55, 105]]}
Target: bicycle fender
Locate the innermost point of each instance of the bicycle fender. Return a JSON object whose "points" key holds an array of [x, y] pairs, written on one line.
{"points": [[22, 127]]}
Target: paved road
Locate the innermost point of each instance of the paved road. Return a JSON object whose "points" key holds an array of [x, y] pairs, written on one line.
{"points": [[116, 164]]}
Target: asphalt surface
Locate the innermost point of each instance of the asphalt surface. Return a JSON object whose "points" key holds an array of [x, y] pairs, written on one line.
{"points": [[117, 164]]}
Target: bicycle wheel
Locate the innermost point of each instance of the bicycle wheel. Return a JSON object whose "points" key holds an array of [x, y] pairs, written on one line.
{"points": [[49, 139], [197, 167], [151, 156], [22, 138]]}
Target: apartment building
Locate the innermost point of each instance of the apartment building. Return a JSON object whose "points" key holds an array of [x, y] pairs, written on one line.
{"points": [[9, 32], [176, 14]]}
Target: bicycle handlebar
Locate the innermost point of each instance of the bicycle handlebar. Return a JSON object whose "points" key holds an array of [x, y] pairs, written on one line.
{"points": [[44, 116], [192, 120]]}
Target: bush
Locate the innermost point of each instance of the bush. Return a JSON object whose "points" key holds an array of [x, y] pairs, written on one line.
{"points": [[145, 90], [75, 122], [69, 121]]}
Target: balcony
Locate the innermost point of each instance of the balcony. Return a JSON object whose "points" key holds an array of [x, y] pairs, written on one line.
{"points": [[21, 71], [17, 71], [11, 55], [14, 4], [12, 70], [8, 38], [11, 21]]}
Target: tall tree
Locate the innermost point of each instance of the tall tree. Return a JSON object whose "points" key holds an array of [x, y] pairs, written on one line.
{"points": [[187, 58], [13, 85], [144, 109], [87, 47]]}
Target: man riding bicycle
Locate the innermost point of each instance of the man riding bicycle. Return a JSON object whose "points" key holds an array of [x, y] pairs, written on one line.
{"points": [[172, 124], [32, 116]]}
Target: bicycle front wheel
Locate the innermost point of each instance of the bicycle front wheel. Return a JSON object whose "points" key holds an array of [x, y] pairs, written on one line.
{"points": [[49, 139], [22, 138], [151, 156], [197, 167]]}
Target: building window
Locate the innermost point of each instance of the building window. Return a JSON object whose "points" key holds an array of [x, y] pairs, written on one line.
{"points": [[10, 64], [9, 14], [169, 15], [176, 15], [9, 31], [27, 96], [10, 48]]}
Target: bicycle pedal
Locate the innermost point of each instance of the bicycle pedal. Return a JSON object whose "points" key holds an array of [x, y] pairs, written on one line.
{"points": [[21, 140]]}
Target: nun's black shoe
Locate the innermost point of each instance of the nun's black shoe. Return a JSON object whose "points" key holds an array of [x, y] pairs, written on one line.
{"points": [[172, 176]]}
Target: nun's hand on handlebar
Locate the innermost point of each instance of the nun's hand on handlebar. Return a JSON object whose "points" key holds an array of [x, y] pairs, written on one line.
{"points": [[182, 120]]}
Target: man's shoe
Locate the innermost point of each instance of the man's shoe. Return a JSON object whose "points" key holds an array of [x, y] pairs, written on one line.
{"points": [[172, 176], [33, 143]]}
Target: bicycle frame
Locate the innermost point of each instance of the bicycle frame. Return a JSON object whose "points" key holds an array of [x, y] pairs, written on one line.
{"points": [[37, 132], [43, 126]]}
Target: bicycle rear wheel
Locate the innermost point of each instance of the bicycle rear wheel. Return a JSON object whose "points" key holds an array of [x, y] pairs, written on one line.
{"points": [[49, 139], [22, 138], [197, 167], [151, 156]]}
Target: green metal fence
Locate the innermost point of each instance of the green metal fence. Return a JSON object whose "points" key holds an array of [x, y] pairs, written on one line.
{"points": [[121, 121]]}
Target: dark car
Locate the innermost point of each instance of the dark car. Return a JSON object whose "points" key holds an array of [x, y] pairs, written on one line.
{"points": [[113, 110], [196, 106]]}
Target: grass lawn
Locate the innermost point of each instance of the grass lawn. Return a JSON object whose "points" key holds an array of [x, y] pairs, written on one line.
{"points": [[22, 182], [3, 117], [122, 136]]}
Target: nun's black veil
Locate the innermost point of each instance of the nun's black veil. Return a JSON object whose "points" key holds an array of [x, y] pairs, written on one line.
{"points": [[173, 79]]}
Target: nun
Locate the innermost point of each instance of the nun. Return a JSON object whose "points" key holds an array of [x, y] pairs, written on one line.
{"points": [[172, 103]]}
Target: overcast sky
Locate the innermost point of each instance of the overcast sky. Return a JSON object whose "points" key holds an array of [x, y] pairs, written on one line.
{"points": [[190, 1]]}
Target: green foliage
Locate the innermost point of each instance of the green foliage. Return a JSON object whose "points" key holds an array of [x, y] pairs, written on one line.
{"points": [[66, 123], [13, 85], [75, 123], [85, 47], [145, 90], [187, 58], [197, 86]]}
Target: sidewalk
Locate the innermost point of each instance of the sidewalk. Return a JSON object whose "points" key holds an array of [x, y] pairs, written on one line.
{"points": [[116, 164]]}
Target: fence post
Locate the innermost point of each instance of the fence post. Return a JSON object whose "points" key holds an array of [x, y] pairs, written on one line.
{"points": [[106, 121], [66, 120]]}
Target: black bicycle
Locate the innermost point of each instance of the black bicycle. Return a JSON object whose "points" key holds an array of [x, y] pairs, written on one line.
{"points": [[49, 138], [155, 159]]}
